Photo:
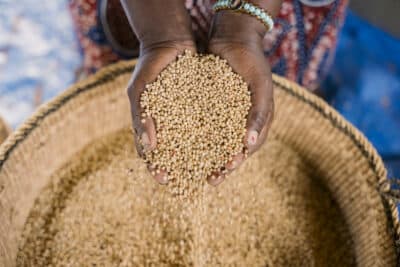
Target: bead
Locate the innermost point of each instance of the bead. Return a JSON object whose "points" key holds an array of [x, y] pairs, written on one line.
{"points": [[241, 5], [235, 4]]}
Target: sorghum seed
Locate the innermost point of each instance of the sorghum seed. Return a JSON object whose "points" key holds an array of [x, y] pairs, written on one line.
{"points": [[200, 117]]}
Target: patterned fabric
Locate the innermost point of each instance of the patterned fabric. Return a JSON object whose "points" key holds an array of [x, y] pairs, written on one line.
{"points": [[300, 47], [96, 50]]}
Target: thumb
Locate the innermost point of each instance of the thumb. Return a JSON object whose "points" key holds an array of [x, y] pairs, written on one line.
{"points": [[261, 112]]}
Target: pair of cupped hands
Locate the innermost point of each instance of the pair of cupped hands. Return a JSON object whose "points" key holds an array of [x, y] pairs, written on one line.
{"points": [[164, 31]]}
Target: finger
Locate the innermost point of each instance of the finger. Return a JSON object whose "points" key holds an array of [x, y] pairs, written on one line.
{"points": [[264, 132], [250, 63], [148, 136], [160, 176], [216, 178], [142, 141], [235, 162], [146, 71], [143, 125], [260, 114]]}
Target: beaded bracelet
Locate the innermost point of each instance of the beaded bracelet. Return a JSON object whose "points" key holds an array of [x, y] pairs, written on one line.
{"points": [[246, 7]]}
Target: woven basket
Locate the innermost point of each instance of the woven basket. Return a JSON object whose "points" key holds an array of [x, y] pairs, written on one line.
{"points": [[343, 160]]}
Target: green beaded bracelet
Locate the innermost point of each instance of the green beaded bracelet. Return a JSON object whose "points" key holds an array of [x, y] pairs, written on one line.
{"points": [[246, 7]]}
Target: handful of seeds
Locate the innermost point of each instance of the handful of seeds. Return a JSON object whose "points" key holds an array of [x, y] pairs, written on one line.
{"points": [[199, 106]]}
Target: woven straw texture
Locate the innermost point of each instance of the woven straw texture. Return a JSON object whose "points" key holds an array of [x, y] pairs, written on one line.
{"points": [[339, 155]]}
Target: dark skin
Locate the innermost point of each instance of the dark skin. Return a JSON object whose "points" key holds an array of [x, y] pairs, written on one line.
{"points": [[163, 29]]}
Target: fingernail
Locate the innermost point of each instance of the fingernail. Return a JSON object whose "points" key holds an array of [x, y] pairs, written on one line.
{"points": [[232, 165], [212, 179], [218, 180], [164, 179], [145, 142], [252, 138]]}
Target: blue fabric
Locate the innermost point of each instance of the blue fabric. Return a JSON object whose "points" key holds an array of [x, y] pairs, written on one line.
{"points": [[364, 85]]}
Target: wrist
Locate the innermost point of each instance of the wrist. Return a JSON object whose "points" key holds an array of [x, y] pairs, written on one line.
{"points": [[158, 22], [240, 27], [236, 27]]}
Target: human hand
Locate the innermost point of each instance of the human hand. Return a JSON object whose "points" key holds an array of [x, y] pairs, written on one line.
{"points": [[238, 39], [164, 32]]}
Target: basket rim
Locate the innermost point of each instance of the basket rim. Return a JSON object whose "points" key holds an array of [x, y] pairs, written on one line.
{"points": [[113, 71]]}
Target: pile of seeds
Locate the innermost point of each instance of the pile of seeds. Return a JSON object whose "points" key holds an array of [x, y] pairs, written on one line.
{"points": [[104, 209], [200, 107]]}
